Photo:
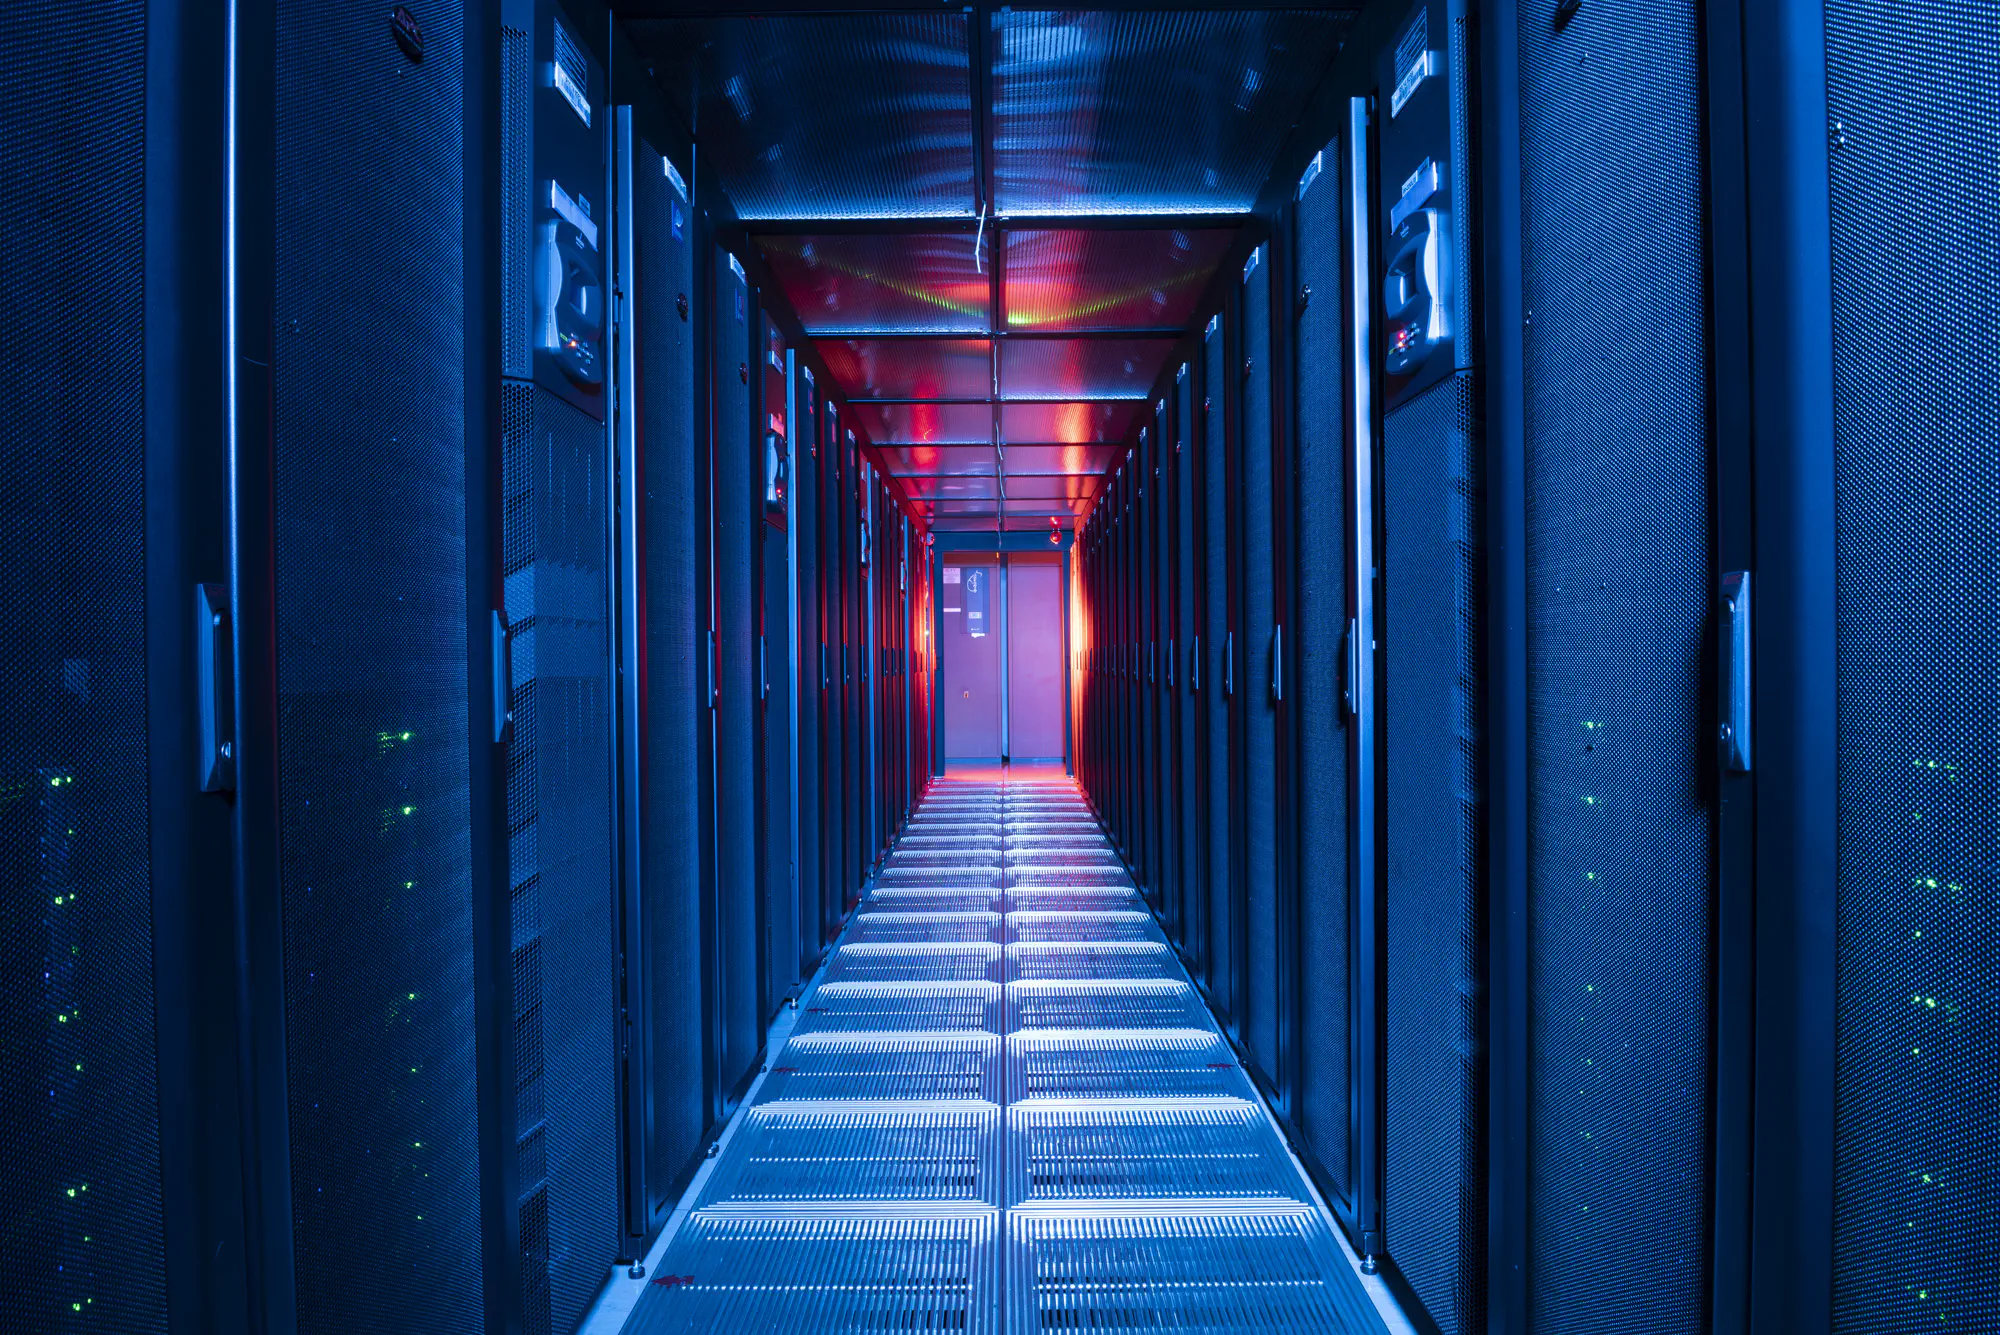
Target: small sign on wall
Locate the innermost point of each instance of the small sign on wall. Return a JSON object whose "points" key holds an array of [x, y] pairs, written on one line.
{"points": [[976, 580]]}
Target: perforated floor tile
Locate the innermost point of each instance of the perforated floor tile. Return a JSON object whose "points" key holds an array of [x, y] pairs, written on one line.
{"points": [[836, 1272], [901, 1007], [930, 898], [1148, 1003], [1207, 1149], [1092, 959], [885, 1067], [1003, 1024], [790, 1156], [1123, 1064], [1219, 1272], [1082, 925], [876, 927], [943, 962]]}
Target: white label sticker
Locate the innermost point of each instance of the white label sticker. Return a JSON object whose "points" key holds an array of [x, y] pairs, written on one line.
{"points": [[567, 209], [572, 73], [674, 177], [1406, 87], [952, 575]]}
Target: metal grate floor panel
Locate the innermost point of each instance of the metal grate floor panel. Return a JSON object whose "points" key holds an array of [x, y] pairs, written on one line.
{"points": [[1148, 1003], [1206, 1149], [797, 1156], [1123, 1064], [930, 899], [1073, 898], [1218, 1272], [943, 926], [886, 1067], [848, 1272], [1092, 959], [915, 961], [1003, 1105], [901, 1007], [1104, 925]]}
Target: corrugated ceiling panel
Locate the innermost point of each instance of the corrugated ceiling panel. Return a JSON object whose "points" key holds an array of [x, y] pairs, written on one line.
{"points": [[1031, 459], [849, 116], [1066, 423], [918, 283], [910, 368], [1053, 487], [1071, 278], [1170, 112], [924, 423], [1081, 368], [926, 489], [954, 460]]}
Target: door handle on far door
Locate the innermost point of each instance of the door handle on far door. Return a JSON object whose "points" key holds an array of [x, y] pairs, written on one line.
{"points": [[1734, 731]]}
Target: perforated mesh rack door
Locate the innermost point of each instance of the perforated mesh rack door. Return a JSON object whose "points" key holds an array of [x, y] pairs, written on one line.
{"points": [[1217, 795], [1322, 516], [1434, 1061], [1916, 473], [78, 1089], [674, 831], [374, 837], [1619, 581], [847, 1272], [736, 521], [559, 804]]}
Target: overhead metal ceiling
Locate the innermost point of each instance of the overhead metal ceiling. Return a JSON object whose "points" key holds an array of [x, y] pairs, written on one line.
{"points": [[994, 222]]}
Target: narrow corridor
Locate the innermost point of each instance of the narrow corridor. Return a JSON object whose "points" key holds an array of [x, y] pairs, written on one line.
{"points": [[1004, 1107]]}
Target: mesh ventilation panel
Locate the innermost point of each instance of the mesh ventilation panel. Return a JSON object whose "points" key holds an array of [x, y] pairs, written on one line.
{"points": [[1433, 1201], [1916, 476], [1619, 581], [374, 813], [1217, 874], [1254, 648], [674, 646], [737, 525], [1322, 1104], [559, 784], [78, 1083]]}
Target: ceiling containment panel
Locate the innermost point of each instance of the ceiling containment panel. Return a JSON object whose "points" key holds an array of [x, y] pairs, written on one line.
{"points": [[1054, 487], [925, 423], [1066, 423], [938, 460], [926, 489], [1100, 112], [1047, 459], [909, 368], [862, 284], [1076, 279], [1081, 368], [838, 116]]}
